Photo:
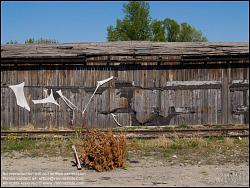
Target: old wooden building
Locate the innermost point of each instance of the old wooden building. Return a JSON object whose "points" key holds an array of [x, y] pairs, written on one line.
{"points": [[154, 84]]}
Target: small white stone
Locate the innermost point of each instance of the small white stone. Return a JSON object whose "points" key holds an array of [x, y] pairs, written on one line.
{"points": [[174, 157]]}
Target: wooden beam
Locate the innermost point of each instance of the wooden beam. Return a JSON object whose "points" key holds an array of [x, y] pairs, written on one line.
{"points": [[77, 161], [224, 97]]}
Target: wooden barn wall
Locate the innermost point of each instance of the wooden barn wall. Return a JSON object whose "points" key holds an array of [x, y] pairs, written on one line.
{"points": [[139, 95]]}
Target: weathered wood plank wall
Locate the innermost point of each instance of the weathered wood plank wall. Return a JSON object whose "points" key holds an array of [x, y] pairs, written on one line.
{"points": [[143, 91], [148, 92]]}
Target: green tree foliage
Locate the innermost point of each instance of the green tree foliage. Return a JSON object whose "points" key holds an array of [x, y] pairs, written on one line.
{"points": [[134, 26], [41, 41], [12, 42], [158, 31], [137, 25], [38, 41], [190, 34], [172, 28]]}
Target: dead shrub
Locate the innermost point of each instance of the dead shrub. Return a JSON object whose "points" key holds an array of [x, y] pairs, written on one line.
{"points": [[103, 151]]}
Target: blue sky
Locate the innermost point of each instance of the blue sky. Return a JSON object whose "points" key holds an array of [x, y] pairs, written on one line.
{"points": [[87, 21]]}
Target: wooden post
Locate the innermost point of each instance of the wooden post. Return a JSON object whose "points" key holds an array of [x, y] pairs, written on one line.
{"points": [[229, 99], [245, 96], [225, 96], [78, 164], [158, 84]]}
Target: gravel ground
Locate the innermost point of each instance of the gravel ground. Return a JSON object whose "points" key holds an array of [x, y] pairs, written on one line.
{"points": [[26, 171]]}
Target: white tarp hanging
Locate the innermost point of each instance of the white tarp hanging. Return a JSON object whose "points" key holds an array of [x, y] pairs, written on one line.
{"points": [[49, 99], [113, 115], [99, 83], [70, 104], [20, 98], [46, 92]]}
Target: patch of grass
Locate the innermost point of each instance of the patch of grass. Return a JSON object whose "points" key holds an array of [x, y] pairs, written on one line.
{"points": [[215, 138], [17, 145], [192, 150], [219, 126], [3, 128], [182, 126], [80, 130], [53, 146]]}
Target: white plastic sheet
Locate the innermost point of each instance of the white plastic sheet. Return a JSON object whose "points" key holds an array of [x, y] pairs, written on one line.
{"points": [[49, 99], [20, 98], [113, 115], [67, 101], [99, 83]]}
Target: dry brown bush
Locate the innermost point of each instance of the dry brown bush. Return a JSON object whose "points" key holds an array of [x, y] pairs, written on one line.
{"points": [[103, 151]]}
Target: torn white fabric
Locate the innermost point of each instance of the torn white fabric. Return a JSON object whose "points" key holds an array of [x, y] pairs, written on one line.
{"points": [[99, 83], [70, 104], [49, 99], [20, 98], [46, 92], [113, 115]]}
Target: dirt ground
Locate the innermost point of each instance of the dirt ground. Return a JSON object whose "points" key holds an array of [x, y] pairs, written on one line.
{"points": [[26, 171]]}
